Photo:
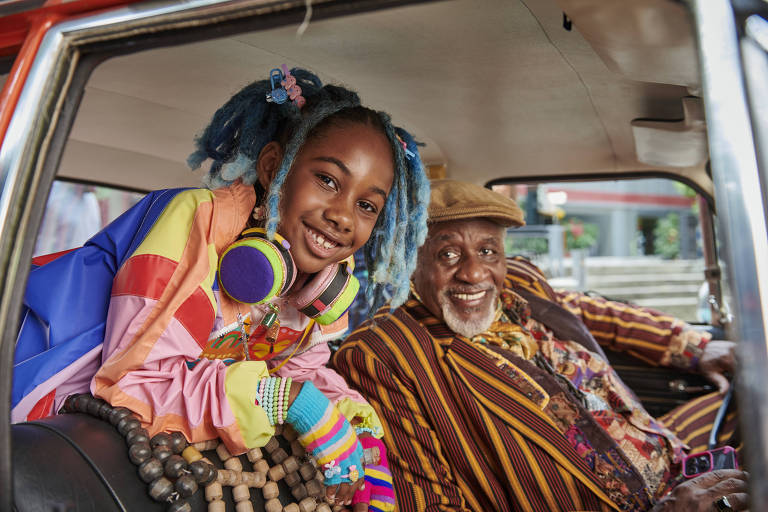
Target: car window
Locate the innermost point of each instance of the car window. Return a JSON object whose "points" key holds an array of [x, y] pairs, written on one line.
{"points": [[75, 212], [637, 241]]}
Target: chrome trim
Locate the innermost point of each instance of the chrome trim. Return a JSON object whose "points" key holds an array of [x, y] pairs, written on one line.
{"points": [[741, 218], [754, 49], [25, 172]]}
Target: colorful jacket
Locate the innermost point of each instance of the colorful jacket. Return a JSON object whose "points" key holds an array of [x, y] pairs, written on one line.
{"points": [[470, 431], [158, 356]]}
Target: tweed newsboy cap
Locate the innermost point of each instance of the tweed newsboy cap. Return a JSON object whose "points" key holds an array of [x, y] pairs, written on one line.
{"points": [[455, 200]]}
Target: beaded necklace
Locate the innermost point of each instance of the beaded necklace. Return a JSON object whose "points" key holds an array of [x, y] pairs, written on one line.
{"points": [[241, 330], [175, 470]]}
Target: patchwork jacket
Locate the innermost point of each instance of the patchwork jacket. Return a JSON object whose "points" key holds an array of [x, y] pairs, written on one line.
{"points": [[136, 317]]}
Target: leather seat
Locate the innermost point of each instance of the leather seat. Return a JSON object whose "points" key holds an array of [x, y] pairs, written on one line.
{"points": [[75, 462]]}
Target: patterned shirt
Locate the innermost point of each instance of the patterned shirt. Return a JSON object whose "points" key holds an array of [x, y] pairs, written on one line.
{"points": [[473, 426]]}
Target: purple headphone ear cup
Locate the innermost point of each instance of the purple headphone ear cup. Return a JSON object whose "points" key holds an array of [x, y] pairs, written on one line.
{"points": [[253, 269]]}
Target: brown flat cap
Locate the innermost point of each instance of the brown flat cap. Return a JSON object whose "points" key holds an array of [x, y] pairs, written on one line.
{"points": [[454, 200]]}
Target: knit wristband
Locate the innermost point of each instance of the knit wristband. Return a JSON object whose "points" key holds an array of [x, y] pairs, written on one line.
{"points": [[327, 435], [378, 491]]}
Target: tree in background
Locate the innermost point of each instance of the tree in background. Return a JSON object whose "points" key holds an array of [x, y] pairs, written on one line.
{"points": [[666, 236], [580, 234]]}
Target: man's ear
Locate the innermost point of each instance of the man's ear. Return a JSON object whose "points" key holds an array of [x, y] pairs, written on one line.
{"points": [[268, 163]]}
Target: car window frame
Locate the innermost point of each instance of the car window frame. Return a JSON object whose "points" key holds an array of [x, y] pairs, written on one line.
{"points": [[43, 93], [712, 269], [70, 48]]}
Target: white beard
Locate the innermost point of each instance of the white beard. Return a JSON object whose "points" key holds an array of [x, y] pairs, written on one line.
{"points": [[467, 328]]}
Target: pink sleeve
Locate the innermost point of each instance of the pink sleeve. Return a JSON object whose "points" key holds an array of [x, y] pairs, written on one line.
{"points": [[151, 376], [311, 366]]}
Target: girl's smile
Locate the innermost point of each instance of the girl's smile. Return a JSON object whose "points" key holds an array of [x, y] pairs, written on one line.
{"points": [[322, 244], [334, 193]]}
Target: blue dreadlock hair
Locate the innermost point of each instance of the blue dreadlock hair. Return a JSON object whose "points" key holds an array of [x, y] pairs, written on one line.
{"points": [[247, 122]]}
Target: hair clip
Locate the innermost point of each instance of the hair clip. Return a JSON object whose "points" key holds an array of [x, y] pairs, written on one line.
{"points": [[353, 474], [331, 469], [408, 153], [259, 213], [278, 94], [284, 87]]}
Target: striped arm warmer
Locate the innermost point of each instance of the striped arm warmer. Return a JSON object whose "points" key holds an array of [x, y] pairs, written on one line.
{"points": [[327, 435]]}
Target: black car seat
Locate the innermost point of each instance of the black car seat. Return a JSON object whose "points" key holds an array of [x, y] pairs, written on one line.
{"points": [[76, 462]]}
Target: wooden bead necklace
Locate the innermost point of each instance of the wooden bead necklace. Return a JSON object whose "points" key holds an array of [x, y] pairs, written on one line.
{"points": [[174, 470]]}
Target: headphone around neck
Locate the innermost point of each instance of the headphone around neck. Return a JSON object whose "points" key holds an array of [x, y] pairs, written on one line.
{"points": [[254, 270]]}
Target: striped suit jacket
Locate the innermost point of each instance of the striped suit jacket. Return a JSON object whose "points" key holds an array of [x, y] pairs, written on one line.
{"points": [[465, 434]]}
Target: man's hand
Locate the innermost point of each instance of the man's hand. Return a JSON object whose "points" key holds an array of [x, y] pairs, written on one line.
{"points": [[699, 494], [718, 358]]}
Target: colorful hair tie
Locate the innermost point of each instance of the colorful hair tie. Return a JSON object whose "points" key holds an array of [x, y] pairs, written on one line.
{"points": [[408, 153], [362, 430], [284, 87]]}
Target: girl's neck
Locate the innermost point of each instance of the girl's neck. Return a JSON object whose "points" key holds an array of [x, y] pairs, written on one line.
{"points": [[298, 284]]}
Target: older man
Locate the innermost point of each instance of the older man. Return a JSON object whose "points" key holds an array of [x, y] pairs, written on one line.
{"points": [[495, 396]]}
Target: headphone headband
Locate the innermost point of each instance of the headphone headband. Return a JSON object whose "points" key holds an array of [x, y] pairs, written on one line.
{"points": [[254, 270]]}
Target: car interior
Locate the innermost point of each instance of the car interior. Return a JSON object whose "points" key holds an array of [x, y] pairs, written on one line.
{"points": [[578, 97]]}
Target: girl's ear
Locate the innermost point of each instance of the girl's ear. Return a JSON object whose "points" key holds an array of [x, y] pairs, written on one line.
{"points": [[268, 163]]}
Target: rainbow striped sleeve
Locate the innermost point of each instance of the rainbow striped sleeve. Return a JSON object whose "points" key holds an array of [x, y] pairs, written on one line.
{"points": [[325, 433]]}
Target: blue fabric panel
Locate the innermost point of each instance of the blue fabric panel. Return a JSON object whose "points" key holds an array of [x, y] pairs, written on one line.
{"points": [[66, 302]]}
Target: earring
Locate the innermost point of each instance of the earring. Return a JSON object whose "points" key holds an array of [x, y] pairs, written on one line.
{"points": [[259, 213]]}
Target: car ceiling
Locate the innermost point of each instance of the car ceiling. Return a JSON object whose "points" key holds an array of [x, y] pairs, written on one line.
{"points": [[494, 88]]}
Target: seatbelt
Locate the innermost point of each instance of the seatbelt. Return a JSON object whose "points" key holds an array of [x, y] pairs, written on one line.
{"points": [[564, 325]]}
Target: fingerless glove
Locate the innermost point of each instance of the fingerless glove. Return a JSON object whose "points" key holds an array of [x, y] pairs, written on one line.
{"points": [[327, 435]]}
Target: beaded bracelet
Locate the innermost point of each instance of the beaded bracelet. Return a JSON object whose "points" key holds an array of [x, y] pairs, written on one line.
{"points": [[280, 402], [273, 395], [260, 392], [275, 390], [267, 404], [273, 409], [286, 399]]}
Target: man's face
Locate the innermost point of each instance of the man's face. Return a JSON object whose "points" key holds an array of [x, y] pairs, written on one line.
{"points": [[460, 273]]}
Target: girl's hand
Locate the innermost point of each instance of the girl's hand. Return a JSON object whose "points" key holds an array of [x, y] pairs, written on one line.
{"points": [[342, 494], [328, 436]]}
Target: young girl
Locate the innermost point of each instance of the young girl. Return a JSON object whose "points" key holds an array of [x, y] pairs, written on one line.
{"points": [[306, 170]]}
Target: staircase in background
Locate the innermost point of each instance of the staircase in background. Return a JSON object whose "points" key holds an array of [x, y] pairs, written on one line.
{"points": [[671, 286]]}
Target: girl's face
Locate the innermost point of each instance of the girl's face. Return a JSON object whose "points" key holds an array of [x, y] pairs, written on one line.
{"points": [[333, 194]]}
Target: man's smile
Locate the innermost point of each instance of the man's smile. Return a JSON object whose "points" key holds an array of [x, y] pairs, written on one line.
{"points": [[470, 300]]}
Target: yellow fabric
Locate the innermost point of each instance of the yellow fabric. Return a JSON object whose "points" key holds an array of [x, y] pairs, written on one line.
{"points": [[364, 412], [240, 387], [510, 336], [169, 237]]}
